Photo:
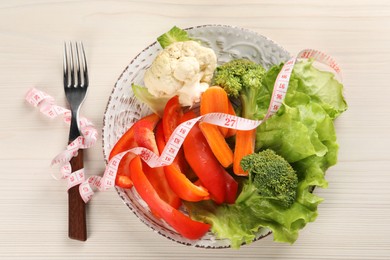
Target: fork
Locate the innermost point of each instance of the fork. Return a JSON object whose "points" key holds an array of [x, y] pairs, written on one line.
{"points": [[75, 85]]}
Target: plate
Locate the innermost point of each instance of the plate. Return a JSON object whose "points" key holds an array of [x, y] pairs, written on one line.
{"points": [[123, 109]]}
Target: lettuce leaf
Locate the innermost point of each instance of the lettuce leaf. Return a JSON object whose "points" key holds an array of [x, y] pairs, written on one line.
{"points": [[175, 34], [156, 104], [307, 83], [302, 131]]}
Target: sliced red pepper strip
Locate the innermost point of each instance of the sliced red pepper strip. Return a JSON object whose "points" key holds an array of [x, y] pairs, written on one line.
{"points": [[127, 141], [123, 174], [157, 178], [124, 143], [173, 112], [202, 160], [144, 132], [160, 139], [139, 134], [199, 183], [183, 224], [123, 181], [178, 181], [231, 188], [182, 186], [172, 116]]}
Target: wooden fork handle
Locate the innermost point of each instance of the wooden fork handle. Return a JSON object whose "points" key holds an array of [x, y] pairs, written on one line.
{"points": [[77, 224]]}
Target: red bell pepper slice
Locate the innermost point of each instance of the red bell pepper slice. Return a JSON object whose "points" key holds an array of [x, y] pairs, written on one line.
{"points": [[219, 183], [172, 116], [182, 186], [160, 139], [136, 135], [144, 133], [231, 188], [160, 183], [141, 135], [123, 174], [178, 181], [183, 224], [127, 141], [173, 113]]}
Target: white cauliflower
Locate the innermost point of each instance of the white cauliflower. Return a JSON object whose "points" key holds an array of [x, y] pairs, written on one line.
{"points": [[182, 68]]}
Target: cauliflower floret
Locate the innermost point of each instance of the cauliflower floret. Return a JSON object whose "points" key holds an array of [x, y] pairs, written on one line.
{"points": [[184, 69]]}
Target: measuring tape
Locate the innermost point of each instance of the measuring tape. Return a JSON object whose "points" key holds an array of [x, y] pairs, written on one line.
{"points": [[87, 187], [87, 139]]}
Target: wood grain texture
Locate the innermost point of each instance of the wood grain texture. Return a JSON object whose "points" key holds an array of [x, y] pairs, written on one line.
{"points": [[353, 221], [77, 225]]}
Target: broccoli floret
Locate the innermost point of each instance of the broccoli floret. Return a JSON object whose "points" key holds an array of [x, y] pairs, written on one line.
{"points": [[242, 79], [272, 175]]}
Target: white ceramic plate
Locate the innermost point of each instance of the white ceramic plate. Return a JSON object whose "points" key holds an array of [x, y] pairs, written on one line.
{"points": [[123, 109]]}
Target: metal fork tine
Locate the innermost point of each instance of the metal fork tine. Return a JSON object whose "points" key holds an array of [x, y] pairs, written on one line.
{"points": [[65, 66], [85, 69], [78, 82], [71, 66]]}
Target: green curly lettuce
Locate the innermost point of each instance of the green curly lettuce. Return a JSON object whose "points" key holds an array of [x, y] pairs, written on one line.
{"points": [[303, 133]]}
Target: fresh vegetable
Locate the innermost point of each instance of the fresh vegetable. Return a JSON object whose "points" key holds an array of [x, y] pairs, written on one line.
{"points": [[215, 100], [184, 69], [272, 176], [267, 199], [221, 186], [303, 128], [173, 35], [123, 174], [272, 184], [127, 141], [231, 131], [141, 134], [178, 181], [160, 183], [182, 186], [123, 181], [303, 133], [156, 104], [160, 138], [245, 144], [144, 127], [173, 112], [284, 158], [144, 133], [217, 143], [242, 79], [183, 224], [239, 222]]}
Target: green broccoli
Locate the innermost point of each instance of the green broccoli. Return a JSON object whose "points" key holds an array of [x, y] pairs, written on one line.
{"points": [[272, 175], [242, 79]]}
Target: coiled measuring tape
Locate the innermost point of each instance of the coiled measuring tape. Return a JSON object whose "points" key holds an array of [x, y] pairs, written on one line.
{"points": [[88, 136]]}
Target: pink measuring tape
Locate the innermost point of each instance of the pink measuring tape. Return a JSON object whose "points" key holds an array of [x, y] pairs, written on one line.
{"points": [[46, 104]]}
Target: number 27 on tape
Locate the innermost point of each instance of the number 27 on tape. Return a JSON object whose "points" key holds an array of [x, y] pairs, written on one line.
{"points": [[230, 121]]}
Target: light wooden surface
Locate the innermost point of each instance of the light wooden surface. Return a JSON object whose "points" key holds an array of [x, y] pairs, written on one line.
{"points": [[353, 220]]}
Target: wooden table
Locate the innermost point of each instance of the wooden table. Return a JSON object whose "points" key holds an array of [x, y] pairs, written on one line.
{"points": [[353, 221]]}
